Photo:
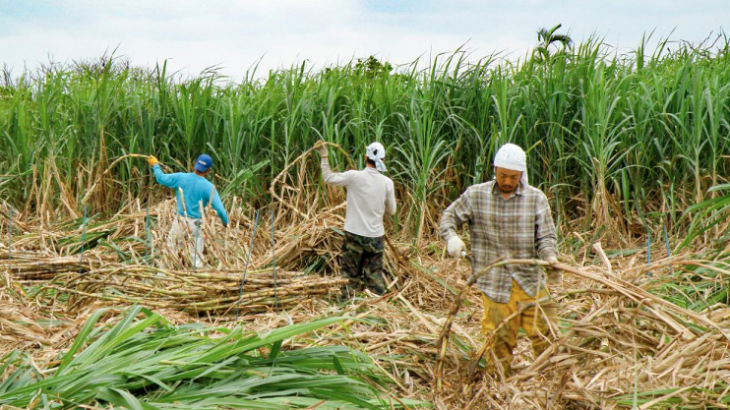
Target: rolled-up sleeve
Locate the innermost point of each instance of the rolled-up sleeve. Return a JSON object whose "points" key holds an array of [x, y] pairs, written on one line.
{"points": [[334, 178], [458, 213], [545, 235]]}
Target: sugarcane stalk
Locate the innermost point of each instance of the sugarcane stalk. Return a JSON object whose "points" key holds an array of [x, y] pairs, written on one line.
{"points": [[148, 242], [10, 234], [248, 259], [83, 241], [273, 253]]}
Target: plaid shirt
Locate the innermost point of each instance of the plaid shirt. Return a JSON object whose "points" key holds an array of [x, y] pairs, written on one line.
{"points": [[520, 227]]}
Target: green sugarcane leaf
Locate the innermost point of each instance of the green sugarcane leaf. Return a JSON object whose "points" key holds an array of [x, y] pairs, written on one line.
{"points": [[275, 349], [81, 338], [338, 365]]}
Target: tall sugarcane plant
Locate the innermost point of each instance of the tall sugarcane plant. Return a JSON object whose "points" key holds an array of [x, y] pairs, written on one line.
{"points": [[613, 136]]}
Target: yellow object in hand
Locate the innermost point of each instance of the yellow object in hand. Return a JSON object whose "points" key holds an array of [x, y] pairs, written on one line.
{"points": [[152, 160], [321, 148]]}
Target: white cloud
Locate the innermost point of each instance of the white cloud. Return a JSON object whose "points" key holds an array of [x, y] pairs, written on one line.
{"points": [[236, 34]]}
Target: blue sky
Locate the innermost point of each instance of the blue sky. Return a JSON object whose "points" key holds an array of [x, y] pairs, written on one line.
{"points": [[195, 34]]}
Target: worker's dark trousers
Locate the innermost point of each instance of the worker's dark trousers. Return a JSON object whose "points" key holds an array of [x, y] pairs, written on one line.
{"points": [[362, 264]]}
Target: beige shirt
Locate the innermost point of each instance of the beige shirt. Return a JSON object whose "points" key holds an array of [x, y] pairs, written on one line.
{"points": [[370, 195]]}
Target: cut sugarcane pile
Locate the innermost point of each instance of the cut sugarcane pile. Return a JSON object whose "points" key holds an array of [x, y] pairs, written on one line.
{"points": [[618, 333], [624, 339], [28, 267], [620, 343], [205, 291]]}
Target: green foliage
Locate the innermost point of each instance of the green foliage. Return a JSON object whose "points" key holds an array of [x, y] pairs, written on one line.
{"points": [[550, 37], [612, 137], [371, 67], [143, 362]]}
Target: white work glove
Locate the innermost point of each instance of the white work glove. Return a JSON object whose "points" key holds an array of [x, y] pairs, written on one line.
{"points": [[455, 246], [554, 276], [321, 148]]}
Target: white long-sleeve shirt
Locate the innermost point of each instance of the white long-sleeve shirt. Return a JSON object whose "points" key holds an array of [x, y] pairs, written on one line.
{"points": [[370, 195]]}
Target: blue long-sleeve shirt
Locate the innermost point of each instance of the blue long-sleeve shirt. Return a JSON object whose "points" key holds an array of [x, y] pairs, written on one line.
{"points": [[195, 189]]}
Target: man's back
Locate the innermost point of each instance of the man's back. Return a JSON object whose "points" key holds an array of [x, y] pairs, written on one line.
{"points": [[370, 195], [196, 190]]}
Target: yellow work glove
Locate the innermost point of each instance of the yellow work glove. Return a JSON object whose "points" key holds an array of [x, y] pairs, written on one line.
{"points": [[152, 160], [321, 148]]}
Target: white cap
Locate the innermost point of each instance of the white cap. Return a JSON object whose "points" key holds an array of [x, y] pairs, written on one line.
{"points": [[512, 157], [376, 153]]}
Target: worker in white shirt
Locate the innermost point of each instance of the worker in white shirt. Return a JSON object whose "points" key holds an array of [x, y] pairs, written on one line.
{"points": [[370, 195]]}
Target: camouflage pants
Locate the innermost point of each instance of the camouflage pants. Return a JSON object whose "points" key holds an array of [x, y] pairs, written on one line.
{"points": [[362, 263]]}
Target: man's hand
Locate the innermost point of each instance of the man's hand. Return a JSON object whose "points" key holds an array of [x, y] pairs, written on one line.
{"points": [[554, 275], [455, 246], [321, 148], [152, 160]]}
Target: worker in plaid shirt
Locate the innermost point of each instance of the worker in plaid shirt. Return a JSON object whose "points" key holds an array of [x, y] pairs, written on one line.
{"points": [[507, 218]]}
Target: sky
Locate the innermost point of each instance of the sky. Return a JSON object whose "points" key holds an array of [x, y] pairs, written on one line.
{"points": [[235, 35]]}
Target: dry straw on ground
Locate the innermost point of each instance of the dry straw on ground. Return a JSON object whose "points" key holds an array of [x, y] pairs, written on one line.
{"points": [[618, 342], [615, 337]]}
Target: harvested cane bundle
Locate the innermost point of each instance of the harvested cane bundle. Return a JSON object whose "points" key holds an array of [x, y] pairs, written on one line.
{"points": [[26, 269], [196, 292]]}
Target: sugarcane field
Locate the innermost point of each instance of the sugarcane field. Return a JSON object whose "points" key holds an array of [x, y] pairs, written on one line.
{"points": [[549, 230]]}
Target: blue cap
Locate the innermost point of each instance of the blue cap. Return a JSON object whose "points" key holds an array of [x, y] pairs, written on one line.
{"points": [[203, 163]]}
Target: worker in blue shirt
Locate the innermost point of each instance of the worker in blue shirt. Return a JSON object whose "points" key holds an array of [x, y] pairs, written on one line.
{"points": [[194, 193]]}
